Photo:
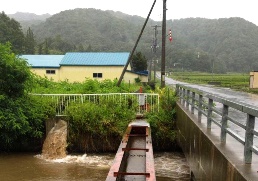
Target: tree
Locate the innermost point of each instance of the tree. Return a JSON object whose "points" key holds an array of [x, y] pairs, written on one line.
{"points": [[139, 62], [89, 49], [10, 31], [30, 42], [22, 116], [15, 73], [46, 48], [40, 49], [80, 48]]}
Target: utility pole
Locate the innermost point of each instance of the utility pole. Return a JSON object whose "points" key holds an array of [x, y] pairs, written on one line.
{"points": [[134, 48], [163, 62], [154, 49]]}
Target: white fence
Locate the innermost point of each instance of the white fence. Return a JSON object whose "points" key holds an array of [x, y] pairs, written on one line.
{"points": [[142, 102]]}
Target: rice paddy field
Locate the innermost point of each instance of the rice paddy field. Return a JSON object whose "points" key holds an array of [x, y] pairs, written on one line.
{"points": [[236, 81]]}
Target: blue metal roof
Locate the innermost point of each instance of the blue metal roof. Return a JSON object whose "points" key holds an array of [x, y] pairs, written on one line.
{"points": [[43, 61], [95, 58], [144, 72]]}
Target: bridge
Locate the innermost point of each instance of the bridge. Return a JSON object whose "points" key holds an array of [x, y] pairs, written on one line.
{"points": [[216, 131]]}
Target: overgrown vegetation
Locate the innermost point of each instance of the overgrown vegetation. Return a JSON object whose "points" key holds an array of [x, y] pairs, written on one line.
{"points": [[163, 123], [21, 116], [98, 127], [89, 86], [93, 127]]}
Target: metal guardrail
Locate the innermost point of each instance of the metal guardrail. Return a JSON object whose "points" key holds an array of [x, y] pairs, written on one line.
{"points": [[142, 101], [205, 103]]}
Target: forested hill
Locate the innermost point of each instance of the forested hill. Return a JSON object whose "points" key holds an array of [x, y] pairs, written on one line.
{"points": [[99, 30], [198, 44], [233, 42]]}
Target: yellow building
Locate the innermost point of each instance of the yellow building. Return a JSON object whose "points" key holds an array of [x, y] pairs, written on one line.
{"points": [[77, 66], [254, 79]]}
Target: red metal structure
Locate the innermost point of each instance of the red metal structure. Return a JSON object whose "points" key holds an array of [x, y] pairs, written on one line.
{"points": [[134, 158]]}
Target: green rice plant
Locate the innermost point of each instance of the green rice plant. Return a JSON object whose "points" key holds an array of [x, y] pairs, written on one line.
{"points": [[235, 81]]}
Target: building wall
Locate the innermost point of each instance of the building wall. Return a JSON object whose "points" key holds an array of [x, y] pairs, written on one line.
{"points": [[79, 73], [43, 73], [253, 79], [130, 77]]}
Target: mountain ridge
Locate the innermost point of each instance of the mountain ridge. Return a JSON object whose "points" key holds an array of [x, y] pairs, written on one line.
{"points": [[229, 42], [26, 16]]}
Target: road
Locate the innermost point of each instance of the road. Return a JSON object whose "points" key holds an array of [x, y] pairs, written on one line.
{"points": [[242, 97], [250, 100]]}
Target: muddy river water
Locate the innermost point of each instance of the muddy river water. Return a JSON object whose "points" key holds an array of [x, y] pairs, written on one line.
{"points": [[91, 167]]}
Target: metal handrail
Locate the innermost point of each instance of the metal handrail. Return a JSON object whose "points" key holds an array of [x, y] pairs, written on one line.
{"points": [[204, 102], [145, 102]]}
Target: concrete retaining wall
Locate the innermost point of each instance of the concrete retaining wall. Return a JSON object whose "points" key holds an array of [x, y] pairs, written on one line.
{"points": [[209, 159]]}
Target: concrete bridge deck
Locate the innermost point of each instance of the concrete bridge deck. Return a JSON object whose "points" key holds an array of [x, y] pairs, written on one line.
{"points": [[209, 159], [217, 132]]}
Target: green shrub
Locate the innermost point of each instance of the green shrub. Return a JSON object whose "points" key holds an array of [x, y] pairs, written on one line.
{"points": [[21, 116], [101, 125], [163, 123], [22, 120]]}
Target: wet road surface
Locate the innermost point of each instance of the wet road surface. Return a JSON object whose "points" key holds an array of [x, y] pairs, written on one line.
{"points": [[250, 100]]}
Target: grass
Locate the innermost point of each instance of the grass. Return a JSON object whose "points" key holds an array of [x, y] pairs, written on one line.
{"points": [[236, 81]]}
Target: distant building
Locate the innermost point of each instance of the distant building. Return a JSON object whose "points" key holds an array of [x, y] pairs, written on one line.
{"points": [[254, 79], [77, 66]]}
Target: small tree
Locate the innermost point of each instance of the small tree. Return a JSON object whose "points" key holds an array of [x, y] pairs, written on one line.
{"points": [[46, 47], [29, 42], [139, 62]]}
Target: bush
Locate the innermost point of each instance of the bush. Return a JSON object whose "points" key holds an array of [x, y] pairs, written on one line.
{"points": [[15, 73], [21, 121], [97, 127], [163, 124], [21, 116]]}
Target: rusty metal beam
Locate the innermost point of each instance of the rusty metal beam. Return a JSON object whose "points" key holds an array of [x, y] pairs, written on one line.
{"points": [[129, 149], [137, 135], [131, 173], [125, 164]]}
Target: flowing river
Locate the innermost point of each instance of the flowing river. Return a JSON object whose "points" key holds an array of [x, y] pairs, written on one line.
{"points": [[169, 166], [88, 167]]}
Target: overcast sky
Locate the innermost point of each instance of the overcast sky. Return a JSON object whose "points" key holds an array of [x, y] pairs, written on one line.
{"points": [[212, 9]]}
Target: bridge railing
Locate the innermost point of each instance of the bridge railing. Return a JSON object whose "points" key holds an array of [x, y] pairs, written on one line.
{"points": [[142, 102], [234, 118]]}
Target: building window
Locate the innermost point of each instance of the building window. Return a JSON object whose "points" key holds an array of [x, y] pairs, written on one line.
{"points": [[97, 75], [50, 72]]}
